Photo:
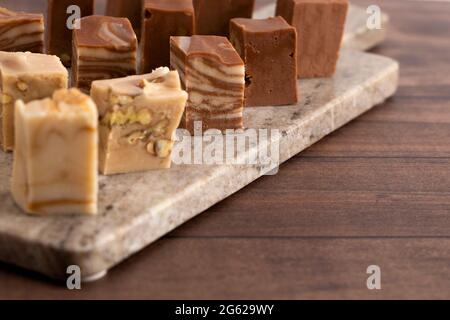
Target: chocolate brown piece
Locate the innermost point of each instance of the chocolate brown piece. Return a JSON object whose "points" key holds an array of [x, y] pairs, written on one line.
{"points": [[104, 48], [269, 50], [320, 27], [131, 9], [213, 74], [20, 31], [164, 19], [213, 16], [59, 37]]}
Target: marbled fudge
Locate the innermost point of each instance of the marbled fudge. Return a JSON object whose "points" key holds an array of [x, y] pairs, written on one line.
{"points": [[131, 9], [320, 27], [269, 50], [20, 31], [55, 161], [213, 74], [59, 37], [164, 19], [26, 76], [104, 48], [138, 119]]}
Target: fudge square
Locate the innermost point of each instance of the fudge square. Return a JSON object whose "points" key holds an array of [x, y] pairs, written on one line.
{"points": [[213, 74], [138, 119], [26, 76], [269, 50], [131, 9], [55, 161], [164, 19], [103, 48], [59, 37], [320, 27], [20, 31], [213, 16]]}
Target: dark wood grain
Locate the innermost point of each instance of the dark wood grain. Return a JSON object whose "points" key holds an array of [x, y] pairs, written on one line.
{"points": [[375, 192]]}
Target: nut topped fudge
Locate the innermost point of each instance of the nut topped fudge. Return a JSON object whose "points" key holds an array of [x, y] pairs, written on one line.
{"points": [[55, 161], [104, 48], [26, 76], [213, 74], [20, 31], [138, 118], [320, 28]]}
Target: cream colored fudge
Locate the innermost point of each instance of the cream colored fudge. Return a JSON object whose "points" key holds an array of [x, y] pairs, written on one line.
{"points": [[55, 165], [138, 119], [26, 76]]}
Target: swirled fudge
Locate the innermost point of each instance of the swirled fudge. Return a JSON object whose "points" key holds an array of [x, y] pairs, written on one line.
{"points": [[104, 48], [163, 19], [320, 28], [20, 31], [138, 119], [26, 76], [213, 74], [131, 9], [55, 161]]}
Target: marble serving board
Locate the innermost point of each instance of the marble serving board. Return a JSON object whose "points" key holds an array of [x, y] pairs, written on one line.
{"points": [[137, 209], [356, 36]]}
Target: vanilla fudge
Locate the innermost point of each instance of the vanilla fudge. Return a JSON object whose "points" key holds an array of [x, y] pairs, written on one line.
{"points": [[320, 28], [55, 161], [20, 31], [26, 76], [59, 37], [138, 116], [104, 48], [213, 74]]}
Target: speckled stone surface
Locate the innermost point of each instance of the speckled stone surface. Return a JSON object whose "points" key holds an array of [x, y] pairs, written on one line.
{"points": [[357, 35], [137, 209]]}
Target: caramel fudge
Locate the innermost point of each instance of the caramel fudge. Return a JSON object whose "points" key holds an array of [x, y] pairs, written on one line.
{"points": [[59, 37], [55, 161], [269, 50], [213, 74], [320, 28], [131, 9], [213, 16], [162, 20], [138, 119], [104, 48], [20, 31], [26, 76]]}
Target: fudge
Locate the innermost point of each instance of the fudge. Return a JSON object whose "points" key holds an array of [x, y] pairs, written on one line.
{"points": [[104, 48], [55, 161], [131, 9], [269, 50], [20, 31], [162, 20], [138, 117], [26, 76], [59, 37], [213, 16], [213, 74], [320, 28]]}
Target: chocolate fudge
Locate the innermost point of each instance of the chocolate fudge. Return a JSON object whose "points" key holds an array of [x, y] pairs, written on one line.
{"points": [[138, 119], [269, 50], [320, 27], [104, 48], [131, 9], [213, 74], [26, 76], [55, 161], [213, 16], [20, 31], [59, 36], [164, 19]]}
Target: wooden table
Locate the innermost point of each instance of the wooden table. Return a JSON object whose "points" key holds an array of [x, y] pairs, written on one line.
{"points": [[376, 192]]}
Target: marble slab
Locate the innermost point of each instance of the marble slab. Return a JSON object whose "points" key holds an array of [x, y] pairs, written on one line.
{"points": [[137, 209], [357, 36]]}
